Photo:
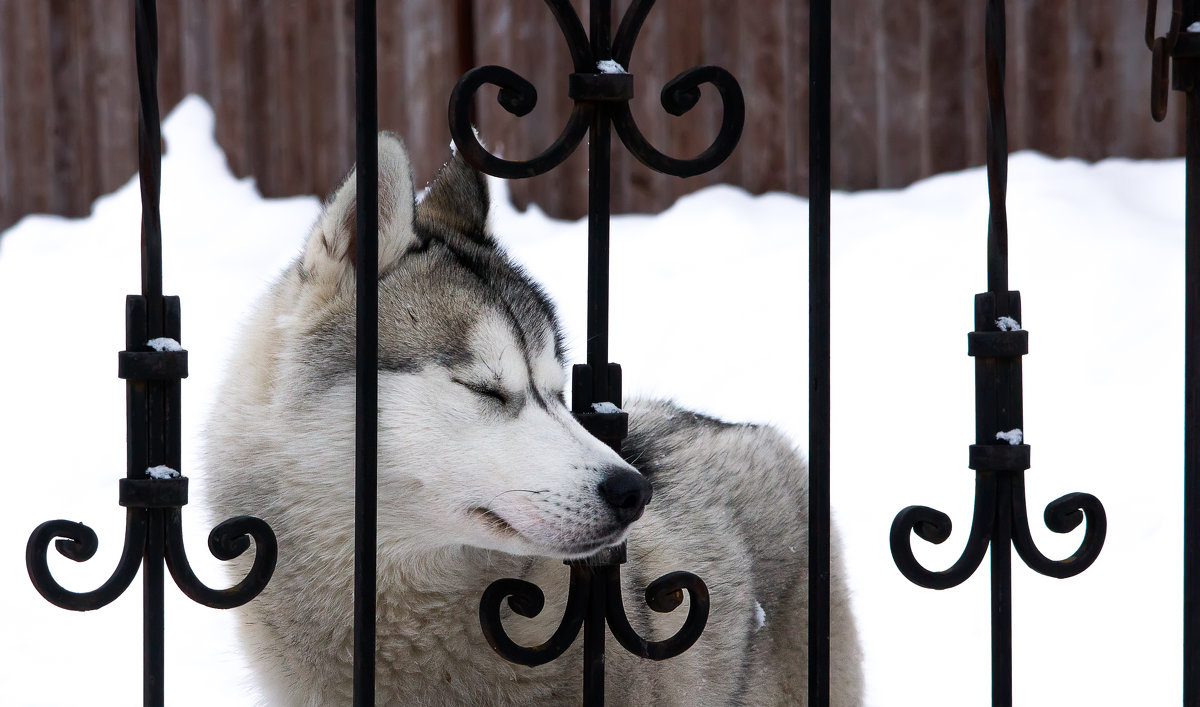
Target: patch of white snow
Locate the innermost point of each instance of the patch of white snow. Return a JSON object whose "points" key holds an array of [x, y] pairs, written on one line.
{"points": [[609, 66], [164, 344], [162, 472], [760, 616], [1008, 324], [1012, 436]]}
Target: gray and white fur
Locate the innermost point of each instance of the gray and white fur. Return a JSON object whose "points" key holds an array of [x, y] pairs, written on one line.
{"points": [[484, 474]]}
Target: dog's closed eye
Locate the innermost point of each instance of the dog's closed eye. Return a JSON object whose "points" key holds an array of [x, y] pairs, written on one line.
{"points": [[485, 390]]}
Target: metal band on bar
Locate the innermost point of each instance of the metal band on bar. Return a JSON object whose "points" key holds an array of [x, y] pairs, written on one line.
{"points": [[154, 493], [600, 88], [152, 365], [999, 457], [998, 344], [605, 426]]}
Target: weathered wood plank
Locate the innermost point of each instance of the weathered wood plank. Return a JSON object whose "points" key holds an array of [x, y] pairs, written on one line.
{"points": [[115, 106], [330, 101], [228, 97], [294, 119], [29, 71], [761, 155], [1046, 85], [1093, 96], [196, 45], [8, 212], [796, 96], [902, 100], [944, 65], [67, 111], [260, 121], [430, 66], [857, 60], [974, 85], [170, 54]]}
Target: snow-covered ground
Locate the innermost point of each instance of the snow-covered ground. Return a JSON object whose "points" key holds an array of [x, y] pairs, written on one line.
{"points": [[709, 307]]}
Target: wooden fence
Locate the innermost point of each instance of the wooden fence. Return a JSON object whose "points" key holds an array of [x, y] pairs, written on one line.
{"points": [[908, 90]]}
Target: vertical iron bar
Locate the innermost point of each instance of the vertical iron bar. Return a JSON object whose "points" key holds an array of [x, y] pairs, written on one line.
{"points": [[998, 401], [149, 147], [366, 351], [153, 624], [595, 623], [148, 424], [594, 627], [818, 351], [1001, 551], [997, 153], [599, 145], [1191, 379]]}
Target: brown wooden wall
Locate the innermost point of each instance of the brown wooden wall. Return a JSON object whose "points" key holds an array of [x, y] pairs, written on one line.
{"points": [[908, 90]]}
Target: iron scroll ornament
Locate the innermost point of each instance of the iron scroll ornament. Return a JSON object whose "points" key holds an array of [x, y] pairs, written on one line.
{"points": [[589, 87], [78, 542], [153, 519], [601, 94], [1061, 516], [663, 595]]}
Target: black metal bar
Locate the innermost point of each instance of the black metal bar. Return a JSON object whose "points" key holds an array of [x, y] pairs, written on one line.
{"points": [[1002, 600], [593, 638], [1187, 75], [819, 79], [149, 162], [1176, 55], [997, 148], [599, 208], [1191, 397], [366, 352], [151, 412], [153, 622]]}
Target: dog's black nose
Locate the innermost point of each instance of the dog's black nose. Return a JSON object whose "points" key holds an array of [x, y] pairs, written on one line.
{"points": [[627, 492]]}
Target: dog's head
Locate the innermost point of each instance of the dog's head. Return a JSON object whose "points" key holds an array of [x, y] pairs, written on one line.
{"points": [[476, 444]]}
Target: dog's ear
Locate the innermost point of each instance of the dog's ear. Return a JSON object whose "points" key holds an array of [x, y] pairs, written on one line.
{"points": [[457, 202], [329, 255]]}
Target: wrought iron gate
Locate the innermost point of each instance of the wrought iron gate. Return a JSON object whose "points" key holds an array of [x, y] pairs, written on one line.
{"points": [[154, 362]]}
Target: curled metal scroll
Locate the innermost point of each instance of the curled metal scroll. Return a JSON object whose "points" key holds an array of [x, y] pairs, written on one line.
{"points": [[679, 95], [664, 595], [935, 527], [518, 97], [78, 542], [227, 541], [1061, 516], [526, 599]]}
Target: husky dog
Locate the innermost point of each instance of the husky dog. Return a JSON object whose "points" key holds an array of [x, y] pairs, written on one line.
{"points": [[484, 474]]}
